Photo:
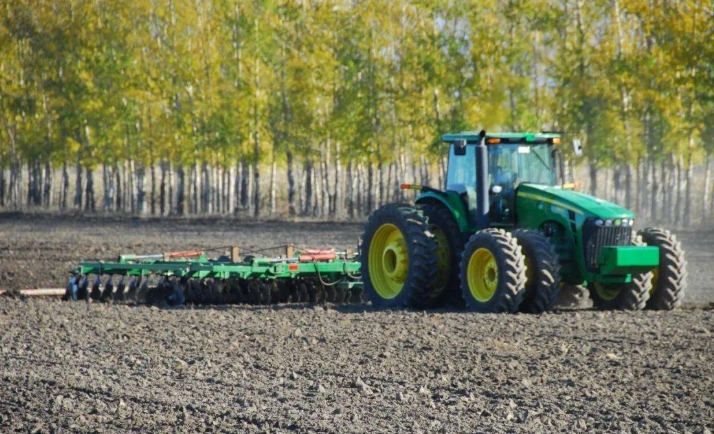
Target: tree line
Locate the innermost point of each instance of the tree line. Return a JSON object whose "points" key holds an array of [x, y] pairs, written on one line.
{"points": [[323, 107]]}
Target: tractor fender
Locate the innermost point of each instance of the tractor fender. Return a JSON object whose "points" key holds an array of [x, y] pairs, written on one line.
{"points": [[450, 201]]}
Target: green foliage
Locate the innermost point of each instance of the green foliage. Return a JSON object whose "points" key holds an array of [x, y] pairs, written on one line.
{"points": [[225, 80]]}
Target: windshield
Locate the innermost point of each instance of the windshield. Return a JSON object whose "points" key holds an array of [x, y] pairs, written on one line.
{"points": [[510, 165]]}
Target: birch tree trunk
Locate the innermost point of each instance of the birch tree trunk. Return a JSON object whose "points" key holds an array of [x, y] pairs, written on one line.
{"points": [[338, 192], [350, 185], [2, 184], [170, 198], [141, 189], [292, 208], [706, 202], [64, 189], [180, 190], [308, 187], [106, 179], [687, 178], [118, 198], [593, 179], [371, 186], [152, 175], [230, 185], [666, 208], [273, 186], [48, 188], [653, 187], [678, 187], [244, 185], [162, 189], [78, 186]]}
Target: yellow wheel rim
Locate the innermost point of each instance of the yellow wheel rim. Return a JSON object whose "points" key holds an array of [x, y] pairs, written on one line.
{"points": [[388, 261], [442, 257], [655, 276], [482, 274], [608, 293]]}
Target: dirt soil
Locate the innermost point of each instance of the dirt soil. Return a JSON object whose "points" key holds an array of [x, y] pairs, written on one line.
{"points": [[76, 367]]}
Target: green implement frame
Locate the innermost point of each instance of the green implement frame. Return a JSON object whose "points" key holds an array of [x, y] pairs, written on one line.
{"points": [[201, 267]]}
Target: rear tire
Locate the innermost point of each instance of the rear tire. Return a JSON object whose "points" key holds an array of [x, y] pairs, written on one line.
{"points": [[669, 279], [493, 272], [398, 256], [449, 247], [542, 271]]}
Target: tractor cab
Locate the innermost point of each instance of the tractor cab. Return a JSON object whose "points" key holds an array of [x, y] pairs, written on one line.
{"points": [[509, 161]]}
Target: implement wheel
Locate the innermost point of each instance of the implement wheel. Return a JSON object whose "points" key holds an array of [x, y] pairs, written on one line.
{"points": [[493, 272], [449, 246], [623, 296], [669, 279], [398, 258], [542, 271]]}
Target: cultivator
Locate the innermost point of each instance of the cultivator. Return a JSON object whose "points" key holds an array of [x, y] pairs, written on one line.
{"points": [[175, 278]]}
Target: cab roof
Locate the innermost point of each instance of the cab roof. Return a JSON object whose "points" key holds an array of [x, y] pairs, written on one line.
{"points": [[526, 138]]}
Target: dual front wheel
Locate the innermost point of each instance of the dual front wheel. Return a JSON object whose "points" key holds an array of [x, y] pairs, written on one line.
{"points": [[659, 289]]}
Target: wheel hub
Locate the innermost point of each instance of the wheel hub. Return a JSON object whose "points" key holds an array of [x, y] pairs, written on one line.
{"points": [[388, 261], [482, 275], [394, 261]]}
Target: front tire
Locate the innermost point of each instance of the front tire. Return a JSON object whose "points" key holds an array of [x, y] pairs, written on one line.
{"points": [[669, 279], [542, 271], [398, 258], [493, 272], [623, 296]]}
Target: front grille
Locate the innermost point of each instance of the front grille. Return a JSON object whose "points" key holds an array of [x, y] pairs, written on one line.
{"points": [[595, 238]]}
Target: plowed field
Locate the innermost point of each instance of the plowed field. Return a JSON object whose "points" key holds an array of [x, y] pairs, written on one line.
{"points": [[76, 367]]}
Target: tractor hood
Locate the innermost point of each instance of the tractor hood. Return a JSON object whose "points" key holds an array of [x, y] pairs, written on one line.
{"points": [[580, 203]]}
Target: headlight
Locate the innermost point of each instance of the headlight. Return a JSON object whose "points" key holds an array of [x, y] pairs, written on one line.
{"points": [[632, 222], [618, 222], [608, 222], [599, 222]]}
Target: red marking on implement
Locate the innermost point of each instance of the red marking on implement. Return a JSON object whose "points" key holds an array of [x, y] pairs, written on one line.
{"points": [[313, 255], [293, 267]]}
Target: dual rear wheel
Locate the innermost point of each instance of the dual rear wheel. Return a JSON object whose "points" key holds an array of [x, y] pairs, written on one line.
{"points": [[416, 257]]}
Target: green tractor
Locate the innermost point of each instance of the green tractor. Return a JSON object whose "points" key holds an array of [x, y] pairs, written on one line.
{"points": [[506, 234]]}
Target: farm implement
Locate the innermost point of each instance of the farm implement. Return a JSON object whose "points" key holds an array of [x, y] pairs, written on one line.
{"points": [[175, 278]]}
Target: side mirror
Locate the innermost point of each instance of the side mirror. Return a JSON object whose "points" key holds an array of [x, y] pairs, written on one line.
{"points": [[495, 189], [577, 148], [459, 147]]}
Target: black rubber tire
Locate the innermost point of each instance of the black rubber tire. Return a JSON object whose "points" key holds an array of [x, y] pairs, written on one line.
{"points": [[511, 271], [418, 287], [543, 287], [448, 286], [632, 296], [668, 291]]}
